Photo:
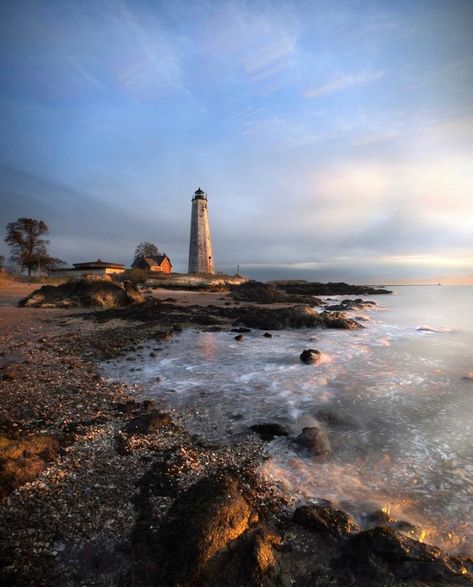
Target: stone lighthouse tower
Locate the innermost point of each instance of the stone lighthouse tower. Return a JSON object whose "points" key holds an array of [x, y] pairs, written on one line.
{"points": [[200, 247]]}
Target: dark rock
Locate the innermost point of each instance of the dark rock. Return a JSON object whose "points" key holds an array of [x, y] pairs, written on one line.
{"points": [[290, 317], [147, 423], [128, 407], [268, 431], [404, 526], [239, 337], [163, 334], [263, 293], [378, 518], [241, 329], [202, 523], [326, 289], [381, 557], [357, 304], [313, 440], [324, 519], [310, 357], [268, 335]]}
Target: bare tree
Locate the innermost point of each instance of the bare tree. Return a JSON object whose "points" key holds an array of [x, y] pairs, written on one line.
{"points": [[50, 263], [146, 249], [24, 237]]}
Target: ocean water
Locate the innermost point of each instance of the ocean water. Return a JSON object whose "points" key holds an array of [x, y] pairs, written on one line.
{"points": [[399, 394]]}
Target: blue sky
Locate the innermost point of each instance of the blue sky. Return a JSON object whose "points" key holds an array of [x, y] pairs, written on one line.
{"points": [[334, 138]]}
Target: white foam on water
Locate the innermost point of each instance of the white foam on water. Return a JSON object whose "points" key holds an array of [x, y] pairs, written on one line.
{"points": [[405, 418]]}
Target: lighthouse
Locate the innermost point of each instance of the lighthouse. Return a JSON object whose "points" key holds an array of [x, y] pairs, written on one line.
{"points": [[200, 246]]}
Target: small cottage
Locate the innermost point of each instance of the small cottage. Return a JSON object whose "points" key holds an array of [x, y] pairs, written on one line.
{"points": [[157, 264], [98, 267]]}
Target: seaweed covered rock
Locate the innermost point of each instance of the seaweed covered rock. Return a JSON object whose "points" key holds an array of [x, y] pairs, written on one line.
{"points": [[89, 291], [291, 317], [264, 293], [250, 316], [22, 460]]}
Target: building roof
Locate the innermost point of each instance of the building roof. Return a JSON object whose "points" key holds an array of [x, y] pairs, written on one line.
{"points": [[199, 192], [158, 260], [99, 264]]}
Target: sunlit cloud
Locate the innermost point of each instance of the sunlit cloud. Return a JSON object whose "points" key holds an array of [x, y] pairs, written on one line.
{"points": [[129, 106]]}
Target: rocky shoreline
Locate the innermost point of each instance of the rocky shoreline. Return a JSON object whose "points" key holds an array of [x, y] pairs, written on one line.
{"points": [[101, 489]]}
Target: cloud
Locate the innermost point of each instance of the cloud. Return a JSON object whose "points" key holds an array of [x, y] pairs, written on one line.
{"points": [[83, 226], [117, 110], [343, 82]]}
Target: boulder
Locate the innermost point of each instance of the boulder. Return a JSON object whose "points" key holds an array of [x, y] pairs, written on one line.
{"points": [[202, 523], [382, 557], [311, 357], [89, 291], [314, 441], [324, 519], [253, 561]]}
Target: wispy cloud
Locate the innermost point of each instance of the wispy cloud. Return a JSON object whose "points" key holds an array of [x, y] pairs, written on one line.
{"points": [[343, 82]]}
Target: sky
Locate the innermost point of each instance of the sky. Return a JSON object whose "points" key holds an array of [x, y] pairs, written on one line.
{"points": [[334, 138]]}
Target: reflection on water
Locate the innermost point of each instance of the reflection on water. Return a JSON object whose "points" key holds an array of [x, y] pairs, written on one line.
{"points": [[391, 398], [207, 346]]}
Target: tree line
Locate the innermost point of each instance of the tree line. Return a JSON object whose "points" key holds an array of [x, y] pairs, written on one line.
{"points": [[28, 246]]}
